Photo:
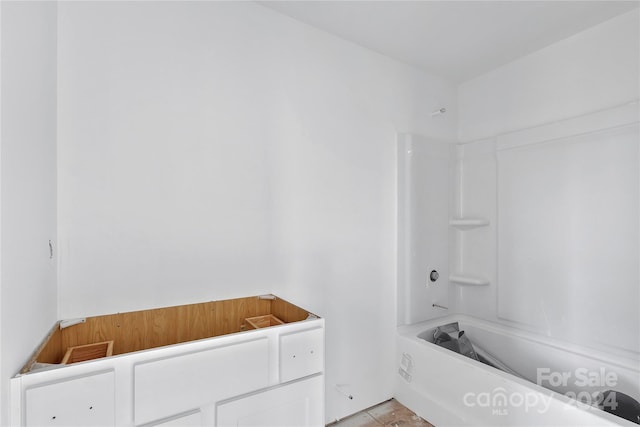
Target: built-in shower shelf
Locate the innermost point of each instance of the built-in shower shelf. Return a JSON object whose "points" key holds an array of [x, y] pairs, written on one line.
{"points": [[468, 280], [468, 223]]}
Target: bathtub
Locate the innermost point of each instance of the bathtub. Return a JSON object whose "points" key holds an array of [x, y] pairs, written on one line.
{"points": [[449, 389]]}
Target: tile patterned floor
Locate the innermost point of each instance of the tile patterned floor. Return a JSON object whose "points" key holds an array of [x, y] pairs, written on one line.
{"points": [[389, 414]]}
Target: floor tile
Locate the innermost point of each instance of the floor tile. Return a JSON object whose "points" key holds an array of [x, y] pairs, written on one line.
{"points": [[388, 414], [416, 422], [394, 414], [361, 419], [386, 411]]}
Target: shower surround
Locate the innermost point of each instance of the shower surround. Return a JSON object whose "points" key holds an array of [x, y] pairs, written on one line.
{"points": [[534, 232]]}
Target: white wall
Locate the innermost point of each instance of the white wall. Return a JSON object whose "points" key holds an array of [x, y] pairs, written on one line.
{"points": [[562, 249], [590, 71], [28, 183], [214, 150]]}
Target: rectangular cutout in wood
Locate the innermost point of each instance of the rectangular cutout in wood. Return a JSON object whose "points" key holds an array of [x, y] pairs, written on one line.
{"points": [[82, 353]]}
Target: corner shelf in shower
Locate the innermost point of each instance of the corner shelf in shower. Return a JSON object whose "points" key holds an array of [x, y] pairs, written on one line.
{"points": [[468, 223], [468, 280]]}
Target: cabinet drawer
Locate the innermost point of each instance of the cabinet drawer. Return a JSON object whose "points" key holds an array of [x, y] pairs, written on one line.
{"points": [[301, 354], [81, 401]]}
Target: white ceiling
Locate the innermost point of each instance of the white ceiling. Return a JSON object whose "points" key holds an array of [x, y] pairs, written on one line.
{"points": [[454, 39]]}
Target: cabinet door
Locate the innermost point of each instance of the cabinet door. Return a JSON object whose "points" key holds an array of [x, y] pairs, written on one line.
{"points": [[301, 354], [185, 382], [298, 404], [81, 401]]}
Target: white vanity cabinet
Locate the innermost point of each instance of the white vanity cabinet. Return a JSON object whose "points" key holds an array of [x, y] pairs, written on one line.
{"points": [[265, 377]]}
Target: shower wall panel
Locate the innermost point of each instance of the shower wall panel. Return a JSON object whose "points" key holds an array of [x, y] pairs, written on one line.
{"points": [[423, 213], [568, 237], [474, 250], [561, 253]]}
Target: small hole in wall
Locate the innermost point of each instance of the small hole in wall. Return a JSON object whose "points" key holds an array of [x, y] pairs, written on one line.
{"points": [[53, 418], [434, 275]]}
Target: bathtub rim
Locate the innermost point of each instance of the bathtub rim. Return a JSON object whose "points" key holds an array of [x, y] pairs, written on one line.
{"points": [[628, 361]]}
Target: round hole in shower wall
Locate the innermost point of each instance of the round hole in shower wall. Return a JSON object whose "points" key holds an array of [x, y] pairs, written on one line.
{"points": [[434, 275]]}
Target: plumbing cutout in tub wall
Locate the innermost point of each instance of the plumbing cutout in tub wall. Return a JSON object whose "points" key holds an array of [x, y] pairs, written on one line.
{"points": [[433, 276]]}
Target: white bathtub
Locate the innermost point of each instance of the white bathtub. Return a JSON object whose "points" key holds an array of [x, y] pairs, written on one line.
{"points": [[449, 389]]}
